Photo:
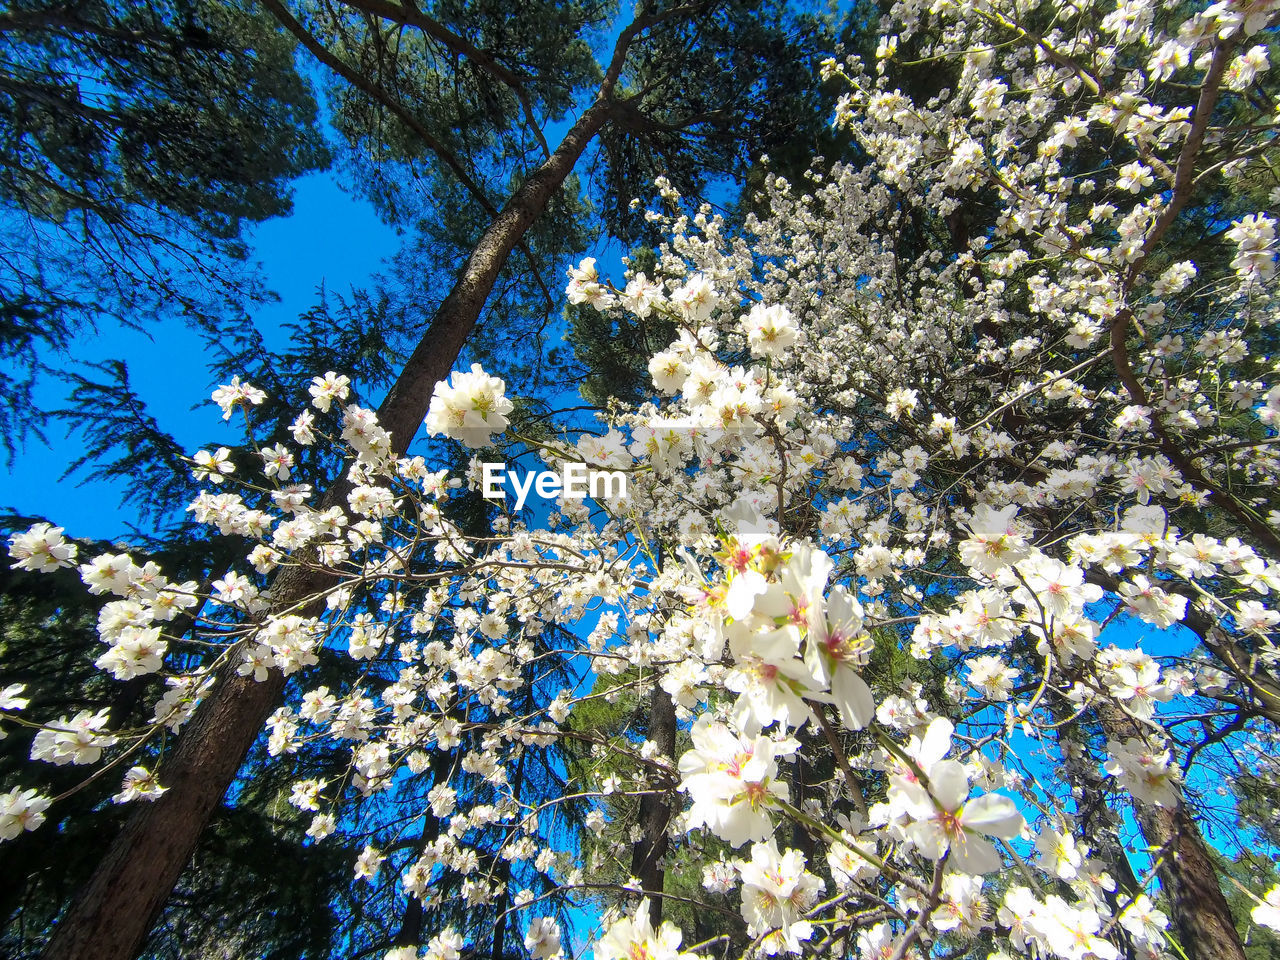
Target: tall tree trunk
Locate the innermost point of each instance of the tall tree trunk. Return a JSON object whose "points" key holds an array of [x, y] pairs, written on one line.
{"points": [[1205, 927], [410, 932], [110, 917], [411, 922], [801, 838], [655, 808], [1096, 821], [406, 405], [498, 946]]}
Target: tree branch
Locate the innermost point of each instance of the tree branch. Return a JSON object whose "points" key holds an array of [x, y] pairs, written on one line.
{"points": [[429, 140], [377, 93], [412, 17]]}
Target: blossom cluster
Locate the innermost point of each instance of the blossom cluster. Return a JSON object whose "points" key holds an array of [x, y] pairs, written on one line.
{"points": [[910, 538]]}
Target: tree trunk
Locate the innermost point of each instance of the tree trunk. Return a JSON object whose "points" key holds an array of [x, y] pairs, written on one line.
{"points": [[111, 916], [410, 932], [502, 917], [1197, 908], [1206, 929], [1098, 823], [406, 405], [1095, 819], [498, 946], [655, 808]]}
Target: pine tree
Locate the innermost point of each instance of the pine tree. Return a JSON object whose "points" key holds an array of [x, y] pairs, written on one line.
{"points": [[114, 911], [136, 141]]}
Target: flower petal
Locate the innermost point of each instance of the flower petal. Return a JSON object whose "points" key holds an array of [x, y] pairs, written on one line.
{"points": [[992, 814]]}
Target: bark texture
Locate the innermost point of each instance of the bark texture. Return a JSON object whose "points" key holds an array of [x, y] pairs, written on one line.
{"points": [[655, 808], [406, 405], [1206, 929], [1197, 909]]}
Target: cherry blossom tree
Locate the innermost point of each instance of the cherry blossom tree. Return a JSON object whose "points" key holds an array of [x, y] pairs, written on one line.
{"points": [[1039, 466]]}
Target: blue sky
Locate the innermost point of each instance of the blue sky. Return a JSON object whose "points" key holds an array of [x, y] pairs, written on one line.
{"points": [[331, 238]]}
